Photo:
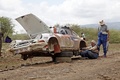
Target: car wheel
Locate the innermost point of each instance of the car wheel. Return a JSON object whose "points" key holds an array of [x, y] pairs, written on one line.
{"points": [[82, 44], [65, 54]]}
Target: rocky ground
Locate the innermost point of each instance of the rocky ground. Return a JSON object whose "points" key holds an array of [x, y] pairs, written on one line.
{"points": [[79, 69]]}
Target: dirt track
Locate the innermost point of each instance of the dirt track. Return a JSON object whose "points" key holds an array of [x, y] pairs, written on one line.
{"points": [[99, 69]]}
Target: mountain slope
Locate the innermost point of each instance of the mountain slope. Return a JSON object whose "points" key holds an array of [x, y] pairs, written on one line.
{"points": [[112, 25]]}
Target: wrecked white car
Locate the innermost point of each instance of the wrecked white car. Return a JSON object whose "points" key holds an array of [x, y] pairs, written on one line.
{"points": [[46, 41]]}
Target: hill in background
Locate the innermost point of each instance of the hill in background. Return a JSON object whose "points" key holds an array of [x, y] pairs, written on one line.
{"points": [[112, 25]]}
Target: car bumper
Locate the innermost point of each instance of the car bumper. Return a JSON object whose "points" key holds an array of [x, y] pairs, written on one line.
{"points": [[37, 47]]}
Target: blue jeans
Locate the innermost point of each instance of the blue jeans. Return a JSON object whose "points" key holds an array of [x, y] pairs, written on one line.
{"points": [[89, 54], [102, 39]]}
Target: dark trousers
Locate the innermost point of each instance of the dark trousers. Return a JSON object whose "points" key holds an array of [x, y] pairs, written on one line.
{"points": [[102, 39], [89, 54]]}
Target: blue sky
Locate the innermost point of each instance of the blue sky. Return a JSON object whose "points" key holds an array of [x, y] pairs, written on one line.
{"points": [[62, 12]]}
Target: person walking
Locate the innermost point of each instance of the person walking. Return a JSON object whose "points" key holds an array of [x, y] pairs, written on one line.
{"points": [[103, 37]]}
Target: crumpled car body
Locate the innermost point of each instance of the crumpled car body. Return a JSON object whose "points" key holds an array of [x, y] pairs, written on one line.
{"points": [[44, 40]]}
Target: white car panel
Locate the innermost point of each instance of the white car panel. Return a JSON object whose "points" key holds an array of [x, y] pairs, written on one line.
{"points": [[33, 25]]}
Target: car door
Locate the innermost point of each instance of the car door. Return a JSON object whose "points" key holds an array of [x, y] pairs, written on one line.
{"points": [[76, 40], [65, 39]]}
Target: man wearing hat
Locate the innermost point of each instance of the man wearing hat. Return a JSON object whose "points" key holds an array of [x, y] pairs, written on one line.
{"points": [[103, 37], [91, 52]]}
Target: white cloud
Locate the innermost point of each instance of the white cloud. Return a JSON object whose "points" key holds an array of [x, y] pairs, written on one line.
{"points": [[78, 11], [12, 9], [70, 11]]}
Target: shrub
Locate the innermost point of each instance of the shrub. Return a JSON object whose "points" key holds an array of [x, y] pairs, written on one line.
{"points": [[92, 33]]}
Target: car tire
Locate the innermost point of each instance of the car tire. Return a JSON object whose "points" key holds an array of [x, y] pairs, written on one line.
{"points": [[82, 44], [65, 54]]}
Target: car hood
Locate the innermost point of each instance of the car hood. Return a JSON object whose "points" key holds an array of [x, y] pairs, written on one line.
{"points": [[33, 25]]}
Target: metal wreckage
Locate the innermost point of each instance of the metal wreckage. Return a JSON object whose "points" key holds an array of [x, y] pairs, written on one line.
{"points": [[46, 41]]}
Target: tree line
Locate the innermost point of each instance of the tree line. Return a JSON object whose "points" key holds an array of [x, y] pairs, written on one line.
{"points": [[7, 28]]}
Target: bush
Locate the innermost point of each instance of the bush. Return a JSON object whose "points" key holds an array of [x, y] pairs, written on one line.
{"points": [[114, 36], [92, 33], [20, 37]]}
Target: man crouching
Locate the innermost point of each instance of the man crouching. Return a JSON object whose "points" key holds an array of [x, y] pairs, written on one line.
{"points": [[91, 52]]}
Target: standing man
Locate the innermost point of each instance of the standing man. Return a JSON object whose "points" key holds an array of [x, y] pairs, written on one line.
{"points": [[103, 37]]}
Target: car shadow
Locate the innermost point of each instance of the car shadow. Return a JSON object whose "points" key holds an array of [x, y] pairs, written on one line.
{"points": [[40, 64]]}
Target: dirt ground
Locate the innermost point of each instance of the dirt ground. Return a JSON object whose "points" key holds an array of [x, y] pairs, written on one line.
{"points": [[13, 68]]}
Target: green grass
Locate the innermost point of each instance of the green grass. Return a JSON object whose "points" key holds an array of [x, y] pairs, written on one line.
{"points": [[92, 34]]}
